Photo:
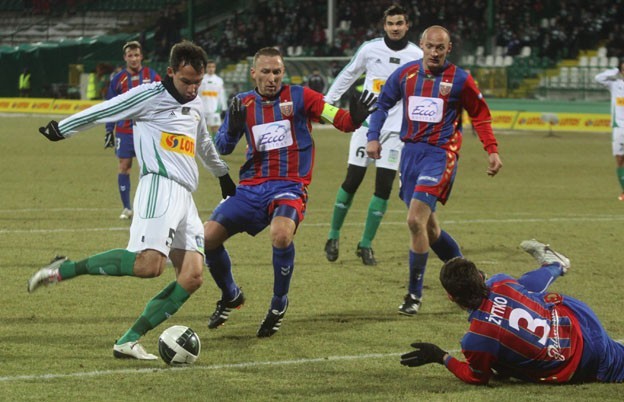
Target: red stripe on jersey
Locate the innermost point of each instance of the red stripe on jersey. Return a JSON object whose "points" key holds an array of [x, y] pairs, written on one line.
{"points": [[291, 153]]}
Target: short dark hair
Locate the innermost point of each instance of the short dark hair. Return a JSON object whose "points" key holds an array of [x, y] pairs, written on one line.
{"points": [[464, 282], [187, 53], [269, 52], [395, 9]]}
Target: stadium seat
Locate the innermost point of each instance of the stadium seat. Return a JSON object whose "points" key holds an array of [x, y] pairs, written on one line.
{"points": [[508, 61], [583, 61], [603, 61], [602, 52], [525, 52]]}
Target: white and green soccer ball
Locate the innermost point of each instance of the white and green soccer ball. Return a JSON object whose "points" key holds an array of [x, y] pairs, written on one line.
{"points": [[179, 345]]}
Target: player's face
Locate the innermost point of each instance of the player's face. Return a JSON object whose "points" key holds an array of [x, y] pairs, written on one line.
{"points": [[211, 68], [268, 72], [186, 80], [396, 27], [133, 58], [436, 45]]}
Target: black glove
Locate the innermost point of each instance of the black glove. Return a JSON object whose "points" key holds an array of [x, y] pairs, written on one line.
{"points": [[425, 353], [237, 117], [51, 131], [109, 140], [361, 106], [228, 188]]}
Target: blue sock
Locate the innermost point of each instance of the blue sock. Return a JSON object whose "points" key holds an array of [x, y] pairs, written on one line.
{"points": [[446, 247], [124, 189], [417, 265], [283, 265], [220, 267], [540, 279]]}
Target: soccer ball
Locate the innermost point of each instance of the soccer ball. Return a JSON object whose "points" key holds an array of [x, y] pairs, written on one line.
{"points": [[179, 345]]}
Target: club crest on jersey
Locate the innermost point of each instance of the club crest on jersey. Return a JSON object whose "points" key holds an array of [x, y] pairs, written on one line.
{"points": [[286, 108], [178, 143], [445, 88]]}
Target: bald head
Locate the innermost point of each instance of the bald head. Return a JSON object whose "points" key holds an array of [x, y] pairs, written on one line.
{"points": [[435, 42]]}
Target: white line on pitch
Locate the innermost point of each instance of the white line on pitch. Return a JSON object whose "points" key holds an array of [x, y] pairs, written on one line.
{"points": [[324, 224], [195, 367]]}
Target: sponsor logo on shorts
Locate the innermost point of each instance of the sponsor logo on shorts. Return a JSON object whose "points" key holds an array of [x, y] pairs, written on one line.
{"points": [[177, 143]]}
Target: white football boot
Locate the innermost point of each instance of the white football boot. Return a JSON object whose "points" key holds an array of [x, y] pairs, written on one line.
{"points": [[132, 350], [47, 275], [545, 255]]}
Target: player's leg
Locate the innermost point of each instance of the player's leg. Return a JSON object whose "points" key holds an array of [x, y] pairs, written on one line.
{"points": [[356, 170], [162, 205], [125, 152], [386, 172], [282, 231], [618, 153], [418, 217], [228, 219]]}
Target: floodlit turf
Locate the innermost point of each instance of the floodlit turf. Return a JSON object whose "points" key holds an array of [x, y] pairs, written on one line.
{"points": [[342, 336]]}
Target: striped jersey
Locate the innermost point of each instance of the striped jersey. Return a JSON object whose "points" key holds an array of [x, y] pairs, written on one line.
{"points": [[377, 61], [168, 132], [432, 106], [279, 134], [614, 82], [518, 333], [212, 93], [121, 83]]}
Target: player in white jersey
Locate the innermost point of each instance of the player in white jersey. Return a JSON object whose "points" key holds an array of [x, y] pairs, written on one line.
{"points": [[169, 133], [377, 58], [212, 94], [613, 79]]}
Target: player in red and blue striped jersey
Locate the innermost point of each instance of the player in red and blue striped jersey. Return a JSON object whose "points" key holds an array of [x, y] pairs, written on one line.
{"points": [[518, 329], [433, 92], [132, 76], [276, 122]]}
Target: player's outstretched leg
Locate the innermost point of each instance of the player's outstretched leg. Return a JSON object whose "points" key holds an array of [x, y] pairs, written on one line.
{"points": [[543, 254]]}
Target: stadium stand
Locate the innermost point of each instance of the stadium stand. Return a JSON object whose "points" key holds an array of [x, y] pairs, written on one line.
{"points": [[530, 41]]}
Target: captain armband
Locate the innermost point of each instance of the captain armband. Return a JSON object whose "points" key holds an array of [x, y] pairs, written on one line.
{"points": [[329, 112]]}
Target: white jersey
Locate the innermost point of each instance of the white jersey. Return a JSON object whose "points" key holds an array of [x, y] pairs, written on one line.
{"points": [[378, 61], [212, 93], [167, 134], [615, 83]]}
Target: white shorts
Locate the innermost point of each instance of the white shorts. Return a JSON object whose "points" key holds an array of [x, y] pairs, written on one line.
{"points": [[165, 217], [618, 141], [213, 119], [391, 146]]}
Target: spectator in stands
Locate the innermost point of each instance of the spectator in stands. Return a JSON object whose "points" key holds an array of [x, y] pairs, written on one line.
{"points": [[377, 59], [433, 92], [24, 83], [119, 135], [316, 81], [613, 80]]}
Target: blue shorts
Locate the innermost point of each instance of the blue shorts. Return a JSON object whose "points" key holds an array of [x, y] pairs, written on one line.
{"points": [[426, 173], [124, 145], [603, 358], [253, 207]]}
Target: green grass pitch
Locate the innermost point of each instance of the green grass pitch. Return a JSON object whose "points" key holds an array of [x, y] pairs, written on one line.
{"points": [[342, 336]]}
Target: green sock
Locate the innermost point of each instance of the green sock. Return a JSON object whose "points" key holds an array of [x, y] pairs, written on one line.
{"points": [[117, 262], [620, 175], [157, 310], [376, 210], [341, 207]]}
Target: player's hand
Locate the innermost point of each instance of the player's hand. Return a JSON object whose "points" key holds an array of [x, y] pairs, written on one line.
{"points": [[51, 131], [228, 187], [424, 353], [237, 117], [373, 149], [494, 164], [109, 140], [360, 107]]}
